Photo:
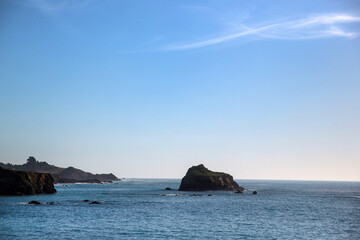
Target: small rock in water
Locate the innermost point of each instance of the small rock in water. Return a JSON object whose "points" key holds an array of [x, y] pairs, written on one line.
{"points": [[51, 203], [34, 202], [168, 189], [254, 192], [209, 195], [86, 200], [95, 202]]}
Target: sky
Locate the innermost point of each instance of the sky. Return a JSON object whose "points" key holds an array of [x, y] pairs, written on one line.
{"points": [[147, 89]]}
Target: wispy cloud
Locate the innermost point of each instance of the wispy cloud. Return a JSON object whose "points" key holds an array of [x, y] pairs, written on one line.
{"points": [[321, 26], [327, 19]]}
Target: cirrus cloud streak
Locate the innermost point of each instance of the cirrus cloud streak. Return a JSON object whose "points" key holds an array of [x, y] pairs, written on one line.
{"points": [[321, 26]]}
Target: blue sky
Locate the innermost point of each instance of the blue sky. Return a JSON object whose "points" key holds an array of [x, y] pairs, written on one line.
{"points": [[258, 89]]}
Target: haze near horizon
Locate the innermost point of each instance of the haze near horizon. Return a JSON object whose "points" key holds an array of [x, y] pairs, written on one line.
{"points": [[260, 90]]}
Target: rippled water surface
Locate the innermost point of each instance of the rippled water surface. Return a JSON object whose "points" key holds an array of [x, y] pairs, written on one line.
{"points": [[142, 209]]}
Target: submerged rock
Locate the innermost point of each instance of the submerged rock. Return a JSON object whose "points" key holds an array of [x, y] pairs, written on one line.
{"points": [[14, 182], [95, 202], [34, 202], [199, 178], [86, 200], [196, 195], [51, 203], [168, 189], [254, 192]]}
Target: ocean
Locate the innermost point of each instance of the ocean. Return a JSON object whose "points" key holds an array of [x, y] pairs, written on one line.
{"points": [[142, 209]]}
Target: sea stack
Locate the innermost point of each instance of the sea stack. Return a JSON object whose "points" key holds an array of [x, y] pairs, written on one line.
{"points": [[25, 183], [199, 178]]}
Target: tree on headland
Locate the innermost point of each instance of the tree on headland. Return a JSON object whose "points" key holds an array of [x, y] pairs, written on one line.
{"points": [[31, 160]]}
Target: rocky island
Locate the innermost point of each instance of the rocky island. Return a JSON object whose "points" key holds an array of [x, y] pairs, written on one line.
{"points": [[14, 182], [199, 178]]}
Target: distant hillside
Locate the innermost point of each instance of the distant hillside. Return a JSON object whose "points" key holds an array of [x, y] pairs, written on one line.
{"points": [[61, 175], [33, 165], [74, 173]]}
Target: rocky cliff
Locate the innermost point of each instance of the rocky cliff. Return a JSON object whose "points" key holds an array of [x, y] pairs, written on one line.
{"points": [[199, 178], [25, 183]]}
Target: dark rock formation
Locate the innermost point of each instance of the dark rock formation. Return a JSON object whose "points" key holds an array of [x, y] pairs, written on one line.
{"points": [[95, 202], [71, 175], [60, 179], [199, 178], [34, 202], [25, 183], [61, 175], [168, 189], [86, 200], [254, 192], [106, 177]]}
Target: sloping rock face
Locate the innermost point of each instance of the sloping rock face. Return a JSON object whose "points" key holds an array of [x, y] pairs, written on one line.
{"points": [[71, 174], [199, 178], [74, 173], [106, 177], [25, 183]]}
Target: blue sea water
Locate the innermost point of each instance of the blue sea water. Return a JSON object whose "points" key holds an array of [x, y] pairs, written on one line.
{"points": [[142, 209]]}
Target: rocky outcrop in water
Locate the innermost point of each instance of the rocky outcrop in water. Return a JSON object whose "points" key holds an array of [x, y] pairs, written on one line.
{"points": [[25, 183], [199, 178]]}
